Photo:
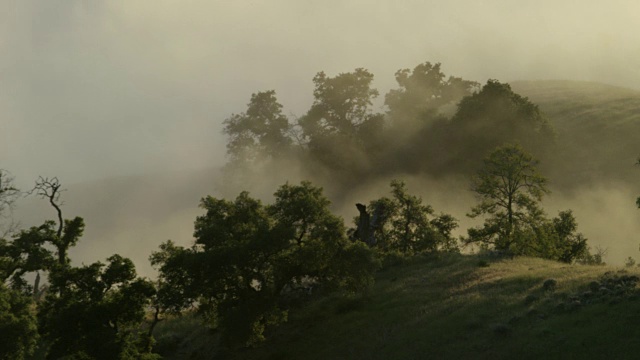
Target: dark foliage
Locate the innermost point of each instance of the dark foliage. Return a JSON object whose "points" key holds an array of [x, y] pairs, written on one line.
{"points": [[248, 258]]}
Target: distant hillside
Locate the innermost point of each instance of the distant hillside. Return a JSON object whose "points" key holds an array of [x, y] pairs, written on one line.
{"points": [[452, 307], [598, 133], [598, 128]]}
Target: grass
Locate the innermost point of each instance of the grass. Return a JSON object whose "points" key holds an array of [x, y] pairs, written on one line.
{"points": [[597, 128], [451, 307]]}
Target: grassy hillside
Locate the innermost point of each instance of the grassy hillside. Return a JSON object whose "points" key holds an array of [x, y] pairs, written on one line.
{"points": [[598, 127], [453, 307]]}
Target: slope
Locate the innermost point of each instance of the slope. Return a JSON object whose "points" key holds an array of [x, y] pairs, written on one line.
{"points": [[459, 307], [598, 127]]}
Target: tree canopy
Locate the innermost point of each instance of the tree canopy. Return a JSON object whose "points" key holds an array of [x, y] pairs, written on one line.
{"points": [[422, 93], [248, 258], [91, 311], [18, 325], [340, 131], [496, 115], [95, 311], [260, 132], [403, 223], [509, 189]]}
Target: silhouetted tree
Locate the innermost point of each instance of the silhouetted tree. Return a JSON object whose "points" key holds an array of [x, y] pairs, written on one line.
{"points": [[90, 311], [573, 246], [67, 232], [509, 188], [247, 257], [94, 311], [340, 130], [261, 132], [492, 117], [403, 223], [422, 94]]}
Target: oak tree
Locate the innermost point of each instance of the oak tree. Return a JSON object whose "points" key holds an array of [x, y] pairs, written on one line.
{"points": [[509, 189], [248, 259], [261, 132]]}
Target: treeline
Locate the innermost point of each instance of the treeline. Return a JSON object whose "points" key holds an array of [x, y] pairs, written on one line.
{"points": [[433, 124], [251, 262]]}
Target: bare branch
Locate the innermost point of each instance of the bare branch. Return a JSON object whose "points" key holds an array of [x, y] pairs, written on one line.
{"points": [[50, 189]]}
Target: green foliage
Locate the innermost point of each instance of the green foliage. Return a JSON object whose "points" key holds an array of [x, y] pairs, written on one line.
{"points": [[28, 251], [495, 115], [25, 253], [17, 325], [342, 139], [341, 104], [260, 132], [94, 311], [340, 130], [509, 189], [571, 246], [422, 93], [248, 257], [405, 224]]}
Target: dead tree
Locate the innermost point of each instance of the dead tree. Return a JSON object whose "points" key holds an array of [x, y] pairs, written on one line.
{"points": [[367, 225]]}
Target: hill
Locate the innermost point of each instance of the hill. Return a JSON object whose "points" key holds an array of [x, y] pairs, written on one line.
{"points": [[597, 126], [597, 129], [452, 307]]}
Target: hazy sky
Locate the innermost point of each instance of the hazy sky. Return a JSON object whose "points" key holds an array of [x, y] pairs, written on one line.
{"points": [[92, 89]]}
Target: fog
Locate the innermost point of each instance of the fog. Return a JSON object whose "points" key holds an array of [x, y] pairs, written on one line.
{"points": [[96, 93], [98, 89]]}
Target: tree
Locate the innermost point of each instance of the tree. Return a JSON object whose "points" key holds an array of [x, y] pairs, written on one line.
{"points": [[573, 246], [91, 311], [554, 239], [95, 311], [492, 117], [423, 92], [67, 232], [340, 129], [260, 132], [249, 258], [509, 189], [341, 104], [17, 325], [403, 223], [28, 251]]}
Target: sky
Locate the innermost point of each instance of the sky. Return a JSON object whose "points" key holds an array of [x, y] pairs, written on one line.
{"points": [[99, 89]]}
